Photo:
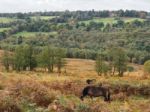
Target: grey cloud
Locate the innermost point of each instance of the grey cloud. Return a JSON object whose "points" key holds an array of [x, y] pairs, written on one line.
{"points": [[42, 5]]}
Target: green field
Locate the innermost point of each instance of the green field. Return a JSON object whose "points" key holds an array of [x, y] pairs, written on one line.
{"points": [[111, 20], [4, 29], [6, 20], [104, 20], [132, 19], [33, 34], [43, 17]]}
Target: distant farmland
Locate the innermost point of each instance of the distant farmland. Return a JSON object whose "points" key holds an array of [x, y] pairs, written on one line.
{"points": [[111, 20], [7, 20]]}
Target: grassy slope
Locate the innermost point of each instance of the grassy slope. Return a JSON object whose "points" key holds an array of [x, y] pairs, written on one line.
{"points": [[77, 72]]}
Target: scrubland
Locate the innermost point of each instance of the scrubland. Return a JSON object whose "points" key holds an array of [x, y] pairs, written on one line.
{"points": [[38, 91]]}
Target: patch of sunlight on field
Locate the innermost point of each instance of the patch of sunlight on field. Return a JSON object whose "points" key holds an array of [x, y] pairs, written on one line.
{"points": [[104, 20], [4, 29], [6, 20], [132, 19], [43, 17], [111, 20]]}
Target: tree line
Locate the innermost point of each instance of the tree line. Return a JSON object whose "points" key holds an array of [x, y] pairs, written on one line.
{"points": [[80, 15], [26, 58]]}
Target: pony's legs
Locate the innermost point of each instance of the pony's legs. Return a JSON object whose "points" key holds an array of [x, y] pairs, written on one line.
{"points": [[108, 96], [91, 97], [82, 97], [105, 99]]}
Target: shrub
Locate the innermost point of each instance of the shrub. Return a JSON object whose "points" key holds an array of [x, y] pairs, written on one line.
{"points": [[147, 66], [83, 108], [130, 68]]}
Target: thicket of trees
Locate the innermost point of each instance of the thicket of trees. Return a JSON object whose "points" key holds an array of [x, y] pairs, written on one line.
{"points": [[117, 62], [26, 58], [49, 58], [101, 66]]}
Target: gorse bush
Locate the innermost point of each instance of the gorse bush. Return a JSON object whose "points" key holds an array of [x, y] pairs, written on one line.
{"points": [[130, 68]]}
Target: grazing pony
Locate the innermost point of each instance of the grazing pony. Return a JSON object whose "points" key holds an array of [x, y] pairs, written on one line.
{"points": [[90, 81], [94, 91]]}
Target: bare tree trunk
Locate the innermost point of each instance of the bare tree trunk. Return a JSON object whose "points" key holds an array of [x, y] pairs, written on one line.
{"points": [[114, 69]]}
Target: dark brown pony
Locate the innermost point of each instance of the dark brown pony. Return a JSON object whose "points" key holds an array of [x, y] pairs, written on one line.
{"points": [[90, 81], [94, 91]]}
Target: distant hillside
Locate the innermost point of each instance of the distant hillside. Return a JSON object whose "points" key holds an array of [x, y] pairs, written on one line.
{"points": [[82, 33]]}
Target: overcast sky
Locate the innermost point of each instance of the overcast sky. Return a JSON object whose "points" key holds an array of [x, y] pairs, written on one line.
{"points": [[53, 5]]}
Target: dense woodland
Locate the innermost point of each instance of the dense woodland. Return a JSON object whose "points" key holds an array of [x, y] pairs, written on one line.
{"points": [[80, 33]]}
